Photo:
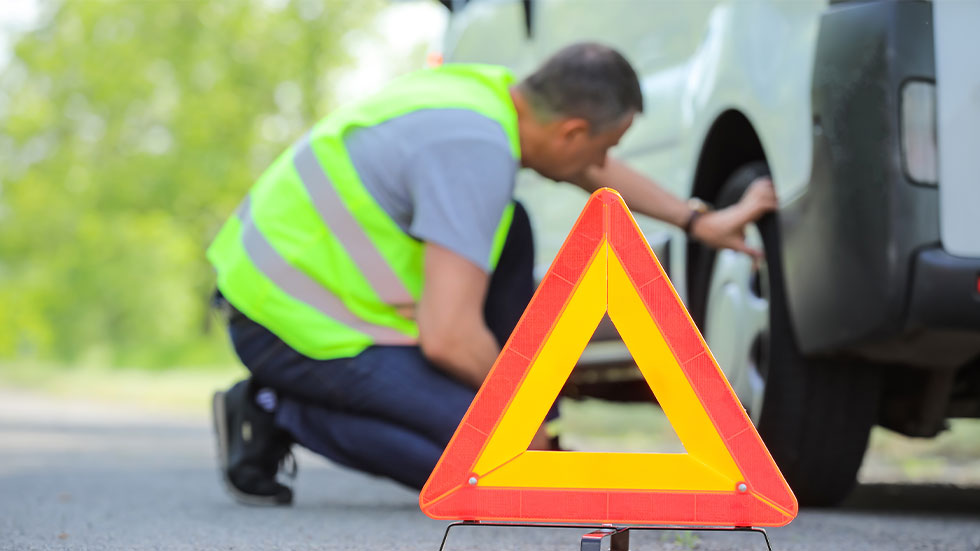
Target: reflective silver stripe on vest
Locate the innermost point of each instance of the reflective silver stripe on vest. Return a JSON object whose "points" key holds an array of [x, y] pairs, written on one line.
{"points": [[345, 228], [303, 288]]}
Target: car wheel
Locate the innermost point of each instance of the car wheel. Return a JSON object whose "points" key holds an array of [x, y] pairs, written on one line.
{"points": [[815, 415]]}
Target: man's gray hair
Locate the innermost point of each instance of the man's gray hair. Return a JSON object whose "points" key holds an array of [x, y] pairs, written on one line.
{"points": [[586, 80]]}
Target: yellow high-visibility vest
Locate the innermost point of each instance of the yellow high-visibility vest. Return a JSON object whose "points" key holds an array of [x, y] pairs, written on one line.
{"points": [[311, 256]]}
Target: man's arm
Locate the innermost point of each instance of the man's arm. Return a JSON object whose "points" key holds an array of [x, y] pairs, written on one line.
{"points": [[720, 229], [452, 332]]}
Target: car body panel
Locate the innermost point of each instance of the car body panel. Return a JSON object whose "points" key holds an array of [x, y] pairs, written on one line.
{"points": [[818, 85], [692, 65], [958, 125]]}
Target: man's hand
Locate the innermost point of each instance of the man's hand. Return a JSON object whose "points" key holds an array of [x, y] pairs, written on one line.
{"points": [[725, 228]]}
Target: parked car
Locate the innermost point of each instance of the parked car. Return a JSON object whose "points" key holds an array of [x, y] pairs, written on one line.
{"points": [[867, 117]]}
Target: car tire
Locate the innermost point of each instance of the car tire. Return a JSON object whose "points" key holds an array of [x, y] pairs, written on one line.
{"points": [[817, 413]]}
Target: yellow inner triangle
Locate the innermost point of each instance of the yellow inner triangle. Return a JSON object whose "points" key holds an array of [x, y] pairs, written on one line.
{"points": [[506, 461]]}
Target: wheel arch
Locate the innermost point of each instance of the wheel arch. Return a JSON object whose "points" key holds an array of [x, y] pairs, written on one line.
{"points": [[731, 142]]}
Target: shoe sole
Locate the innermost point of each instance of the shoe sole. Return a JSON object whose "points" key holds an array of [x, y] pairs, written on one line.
{"points": [[221, 432]]}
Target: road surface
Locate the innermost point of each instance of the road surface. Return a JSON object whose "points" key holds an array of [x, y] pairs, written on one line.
{"points": [[79, 476]]}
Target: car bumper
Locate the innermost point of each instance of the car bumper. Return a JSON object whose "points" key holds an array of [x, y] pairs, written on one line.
{"points": [[945, 292]]}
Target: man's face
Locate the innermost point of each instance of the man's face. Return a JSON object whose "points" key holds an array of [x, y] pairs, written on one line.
{"points": [[572, 148]]}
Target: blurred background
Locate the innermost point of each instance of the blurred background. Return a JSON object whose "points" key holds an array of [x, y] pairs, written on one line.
{"points": [[129, 131]]}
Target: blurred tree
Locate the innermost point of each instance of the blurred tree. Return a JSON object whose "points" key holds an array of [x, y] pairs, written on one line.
{"points": [[128, 133]]}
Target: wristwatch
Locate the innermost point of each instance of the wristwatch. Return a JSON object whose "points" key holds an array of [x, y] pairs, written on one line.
{"points": [[698, 207]]}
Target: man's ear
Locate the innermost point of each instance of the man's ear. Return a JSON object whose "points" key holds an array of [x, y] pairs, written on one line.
{"points": [[573, 128]]}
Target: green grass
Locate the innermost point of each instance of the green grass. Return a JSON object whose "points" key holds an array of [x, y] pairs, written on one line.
{"points": [[952, 457], [596, 425], [181, 390]]}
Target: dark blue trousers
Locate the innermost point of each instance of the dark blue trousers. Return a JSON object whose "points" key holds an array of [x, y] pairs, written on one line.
{"points": [[386, 411]]}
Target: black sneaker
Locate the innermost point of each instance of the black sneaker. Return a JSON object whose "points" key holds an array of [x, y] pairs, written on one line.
{"points": [[251, 448]]}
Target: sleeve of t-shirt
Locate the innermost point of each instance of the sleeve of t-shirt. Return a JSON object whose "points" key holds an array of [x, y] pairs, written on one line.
{"points": [[460, 188]]}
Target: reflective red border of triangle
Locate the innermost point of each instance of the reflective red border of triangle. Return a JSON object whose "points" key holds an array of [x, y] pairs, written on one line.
{"points": [[446, 495]]}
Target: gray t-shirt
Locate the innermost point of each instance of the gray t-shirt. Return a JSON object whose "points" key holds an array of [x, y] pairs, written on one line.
{"points": [[443, 175]]}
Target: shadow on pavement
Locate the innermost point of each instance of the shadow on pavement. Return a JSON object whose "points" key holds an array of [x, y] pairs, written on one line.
{"points": [[914, 498]]}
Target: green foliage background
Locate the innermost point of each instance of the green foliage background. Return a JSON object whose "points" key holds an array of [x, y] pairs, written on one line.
{"points": [[129, 131]]}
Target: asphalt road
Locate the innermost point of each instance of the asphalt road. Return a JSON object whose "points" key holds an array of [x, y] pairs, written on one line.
{"points": [[77, 475]]}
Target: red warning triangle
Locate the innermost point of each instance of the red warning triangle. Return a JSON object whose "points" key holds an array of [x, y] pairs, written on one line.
{"points": [[726, 478]]}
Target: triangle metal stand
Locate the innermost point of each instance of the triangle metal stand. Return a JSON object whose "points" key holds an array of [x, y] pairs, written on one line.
{"points": [[619, 536]]}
